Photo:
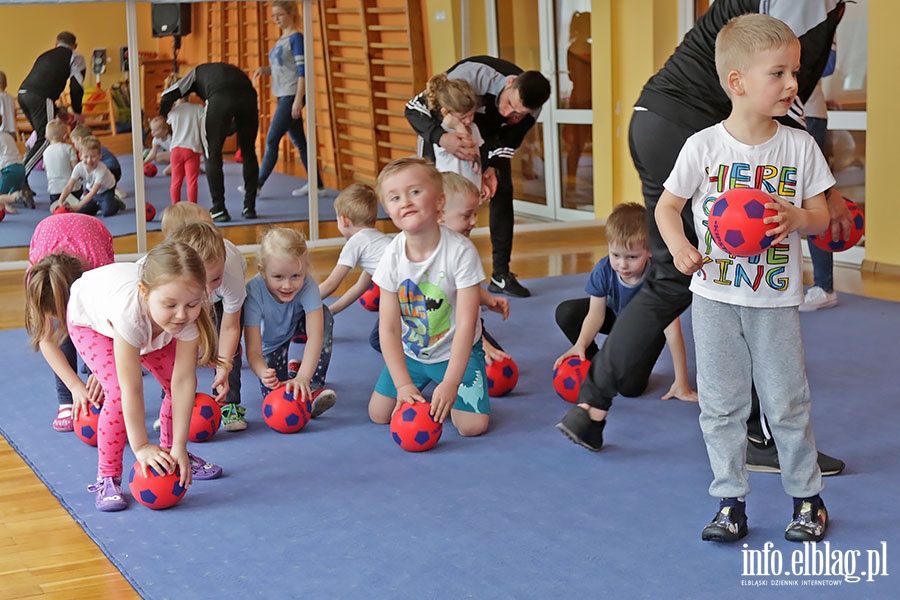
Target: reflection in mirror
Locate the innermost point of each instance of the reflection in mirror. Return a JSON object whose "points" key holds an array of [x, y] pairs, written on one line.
{"points": [[30, 31]]}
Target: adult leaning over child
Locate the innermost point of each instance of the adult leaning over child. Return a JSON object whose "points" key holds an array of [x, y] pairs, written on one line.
{"points": [[510, 102], [230, 103], [683, 98]]}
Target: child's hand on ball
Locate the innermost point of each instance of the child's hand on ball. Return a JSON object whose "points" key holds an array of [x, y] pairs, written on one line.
{"points": [[299, 387], [269, 379], [151, 455]]}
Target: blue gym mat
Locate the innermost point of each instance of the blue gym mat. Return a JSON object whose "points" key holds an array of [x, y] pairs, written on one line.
{"points": [[339, 511], [276, 205]]}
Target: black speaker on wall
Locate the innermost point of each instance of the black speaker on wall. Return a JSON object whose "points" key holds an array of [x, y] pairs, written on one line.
{"points": [[173, 19]]}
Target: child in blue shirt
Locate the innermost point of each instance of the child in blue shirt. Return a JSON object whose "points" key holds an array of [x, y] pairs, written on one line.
{"points": [[613, 283], [283, 302]]}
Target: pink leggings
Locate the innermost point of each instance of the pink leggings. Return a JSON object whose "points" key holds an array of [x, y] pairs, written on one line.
{"points": [[184, 162], [97, 351]]}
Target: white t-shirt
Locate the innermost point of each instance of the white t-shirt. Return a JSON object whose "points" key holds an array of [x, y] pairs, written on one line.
{"points": [[107, 300], [233, 290], [7, 113], [9, 152], [788, 164], [58, 160], [364, 248], [427, 292], [186, 120], [163, 144], [101, 174], [470, 169]]}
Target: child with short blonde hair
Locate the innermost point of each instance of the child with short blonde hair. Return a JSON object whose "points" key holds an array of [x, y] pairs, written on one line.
{"points": [[98, 182], [226, 272], [751, 331], [460, 214], [160, 143], [357, 211], [176, 215], [82, 132], [282, 303], [427, 263]]}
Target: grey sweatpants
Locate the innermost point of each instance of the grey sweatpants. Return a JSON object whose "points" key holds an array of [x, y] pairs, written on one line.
{"points": [[737, 345]]}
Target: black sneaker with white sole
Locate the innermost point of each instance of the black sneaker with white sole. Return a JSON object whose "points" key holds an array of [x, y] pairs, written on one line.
{"points": [[764, 459], [221, 216], [506, 283]]}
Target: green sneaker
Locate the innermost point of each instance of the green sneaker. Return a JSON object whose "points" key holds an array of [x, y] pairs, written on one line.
{"points": [[233, 417]]}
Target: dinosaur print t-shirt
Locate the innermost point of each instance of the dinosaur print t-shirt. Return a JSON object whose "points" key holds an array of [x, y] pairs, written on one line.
{"points": [[427, 292]]}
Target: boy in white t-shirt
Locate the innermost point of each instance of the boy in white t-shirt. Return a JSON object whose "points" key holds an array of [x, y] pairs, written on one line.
{"points": [[226, 274], [430, 328], [98, 181], [60, 159], [357, 211], [745, 317]]}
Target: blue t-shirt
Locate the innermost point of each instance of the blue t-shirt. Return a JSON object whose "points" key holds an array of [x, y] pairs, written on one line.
{"points": [[278, 321], [604, 282]]}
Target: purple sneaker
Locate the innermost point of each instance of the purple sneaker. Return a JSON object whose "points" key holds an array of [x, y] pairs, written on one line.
{"points": [[109, 494], [202, 470]]}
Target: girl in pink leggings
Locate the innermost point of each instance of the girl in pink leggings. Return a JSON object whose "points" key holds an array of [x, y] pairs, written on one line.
{"points": [[125, 315]]}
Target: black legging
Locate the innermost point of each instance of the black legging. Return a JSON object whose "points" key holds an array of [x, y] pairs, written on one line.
{"points": [[39, 110], [570, 315], [624, 363], [225, 114], [501, 217]]}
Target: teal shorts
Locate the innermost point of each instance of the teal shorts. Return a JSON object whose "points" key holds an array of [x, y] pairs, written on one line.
{"points": [[473, 391], [12, 178]]}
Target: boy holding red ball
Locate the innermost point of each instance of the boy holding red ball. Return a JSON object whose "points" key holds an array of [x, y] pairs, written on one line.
{"points": [[748, 334]]}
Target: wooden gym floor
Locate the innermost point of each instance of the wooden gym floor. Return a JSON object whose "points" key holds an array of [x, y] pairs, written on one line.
{"points": [[45, 554]]}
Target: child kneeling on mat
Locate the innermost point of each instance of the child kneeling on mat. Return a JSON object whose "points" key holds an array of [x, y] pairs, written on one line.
{"points": [[429, 327]]}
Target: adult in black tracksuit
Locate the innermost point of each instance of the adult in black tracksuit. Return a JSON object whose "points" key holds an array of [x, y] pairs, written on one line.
{"points": [[230, 106], [681, 99], [510, 102], [42, 88]]}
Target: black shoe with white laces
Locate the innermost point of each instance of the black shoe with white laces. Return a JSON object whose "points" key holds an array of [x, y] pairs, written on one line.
{"points": [[249, 213], [506, 283], [221, 216]]}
